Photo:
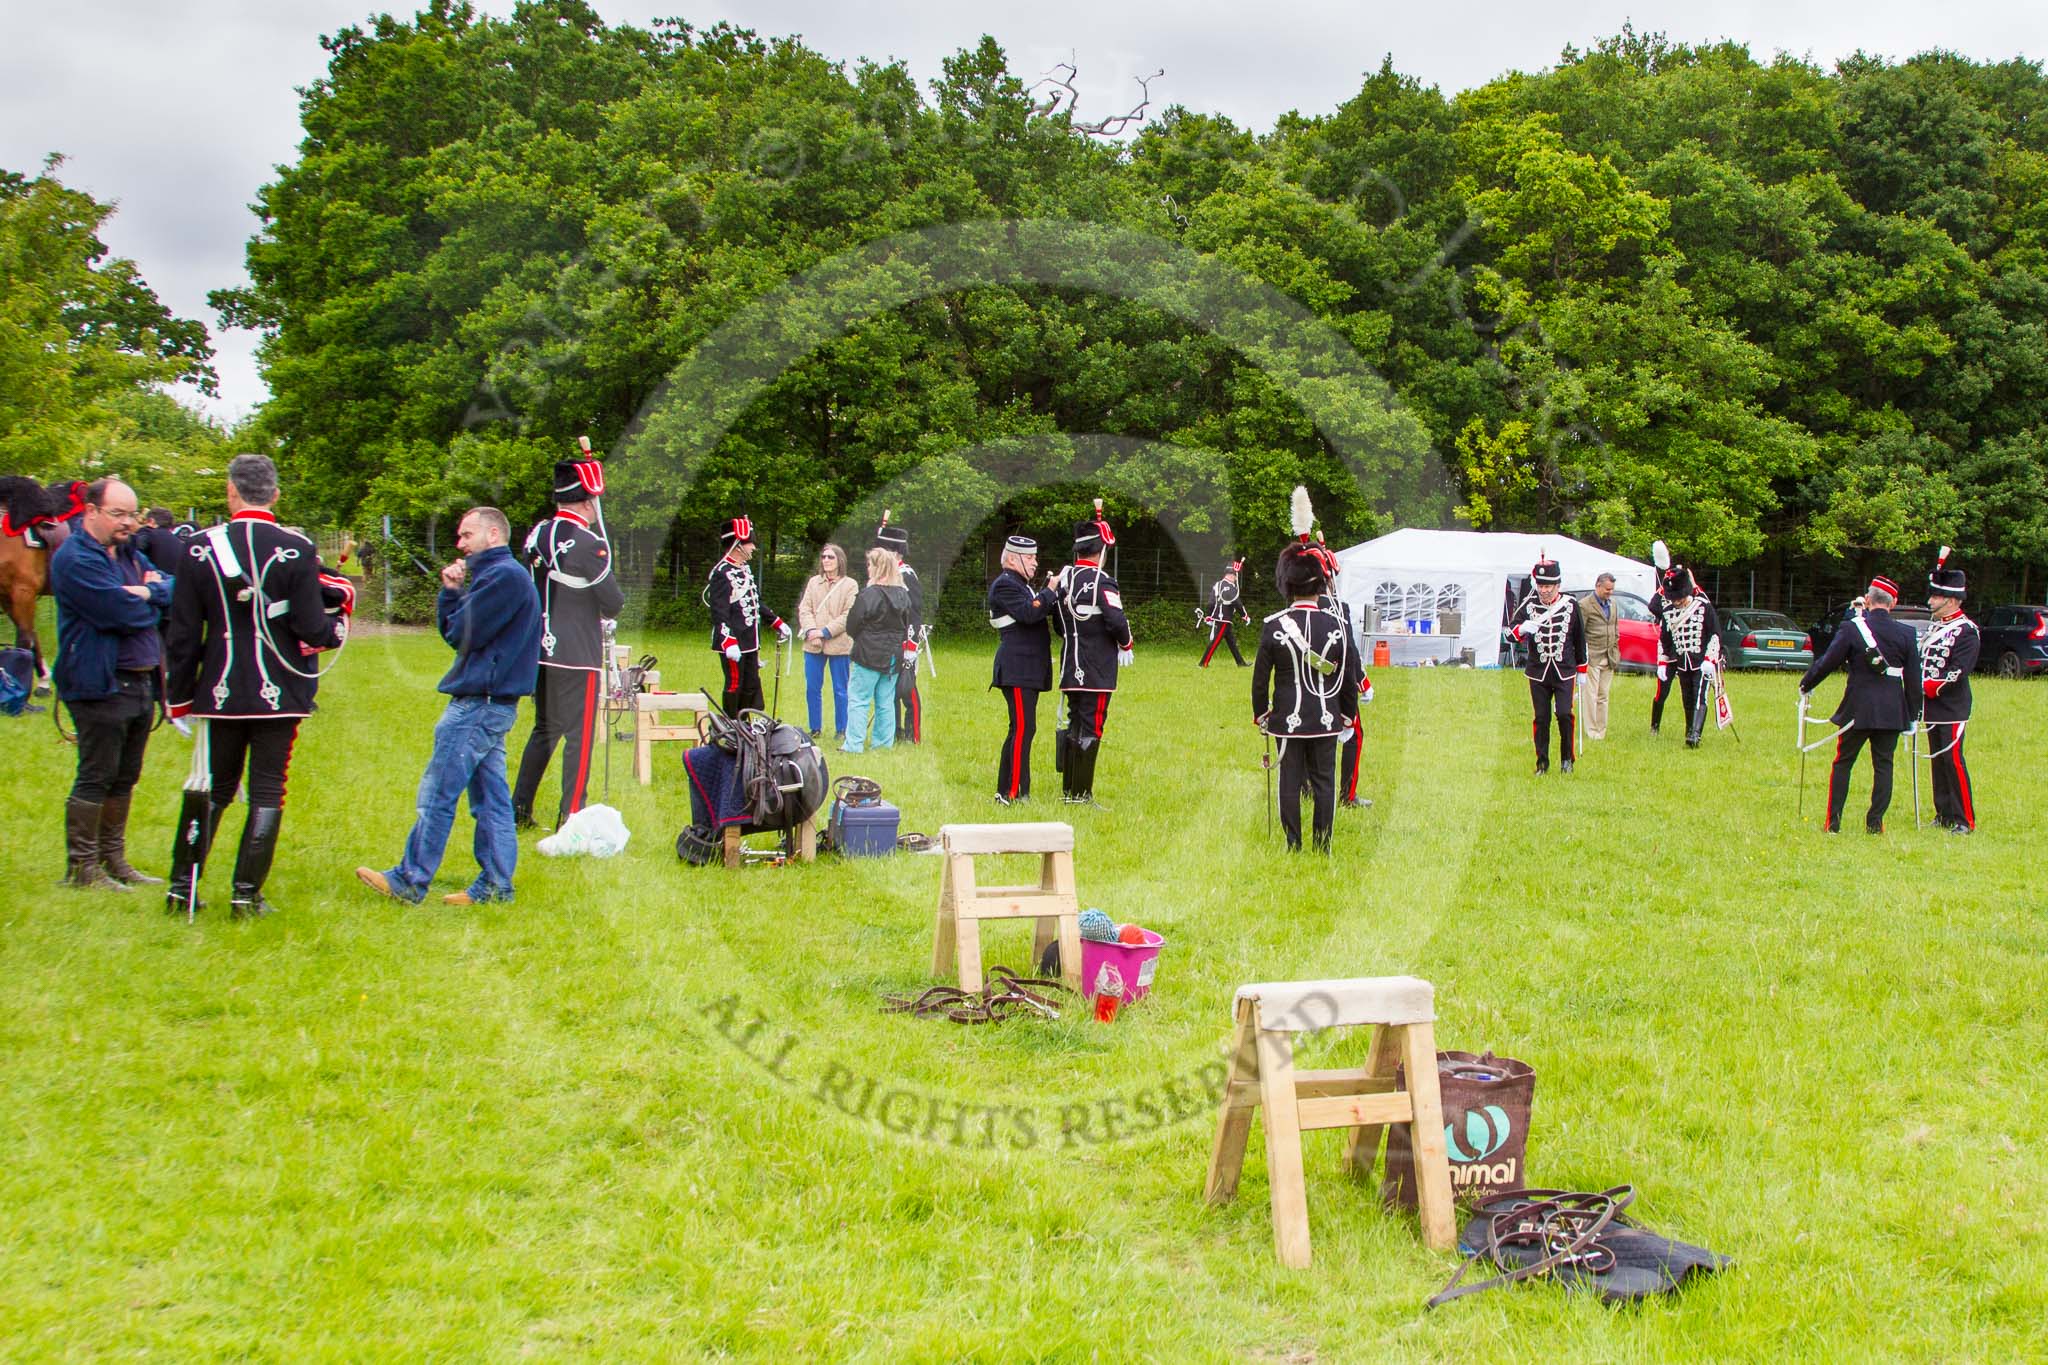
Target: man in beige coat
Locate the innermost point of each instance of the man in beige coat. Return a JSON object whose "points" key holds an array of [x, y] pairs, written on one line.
{"points": [[1601, 620], [821, 621]]}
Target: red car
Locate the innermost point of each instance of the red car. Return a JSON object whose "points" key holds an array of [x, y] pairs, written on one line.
{"points": [[1638, 633]]}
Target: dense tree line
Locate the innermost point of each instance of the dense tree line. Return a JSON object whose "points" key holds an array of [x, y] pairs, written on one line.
{"points": [[1766, 311]]}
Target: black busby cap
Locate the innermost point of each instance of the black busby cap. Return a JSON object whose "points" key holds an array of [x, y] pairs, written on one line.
{"points": [[1087, 537], [1678, 584], [579, 479], [1547, 570], [1945, 581], [1300, 572], [734, 530]]}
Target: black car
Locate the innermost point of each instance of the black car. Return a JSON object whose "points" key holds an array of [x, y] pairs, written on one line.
{"points": [[2015, 641], [1822, 632]]}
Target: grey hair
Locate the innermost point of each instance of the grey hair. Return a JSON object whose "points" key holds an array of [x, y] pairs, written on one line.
{"points": [[1603, 578], [254, 478], [1879, 597]]}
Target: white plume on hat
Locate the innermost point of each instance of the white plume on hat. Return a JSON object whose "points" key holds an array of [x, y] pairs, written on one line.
{"points": [[1304, 515], [1660, 554]]}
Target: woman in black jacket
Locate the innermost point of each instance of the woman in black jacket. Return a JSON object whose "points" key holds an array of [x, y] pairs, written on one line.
{"points": [[879, 625]]}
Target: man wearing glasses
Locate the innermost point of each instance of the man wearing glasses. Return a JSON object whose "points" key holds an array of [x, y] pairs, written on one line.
{"points": [[109, 599]]}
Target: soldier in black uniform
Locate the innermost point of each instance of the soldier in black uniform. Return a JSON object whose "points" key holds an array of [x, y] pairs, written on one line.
{"points": [[571, 563], [1881, 662], [1947, 654], [1658, 604], [1305, 681], [736, 614], [1548, 622], [1095, 640], [909, 706], [1689, 637], [251, 609], [1226, 602], [1023, 667]]}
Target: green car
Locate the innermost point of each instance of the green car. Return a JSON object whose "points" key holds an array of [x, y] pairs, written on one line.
{"points": [[1763, 639]]}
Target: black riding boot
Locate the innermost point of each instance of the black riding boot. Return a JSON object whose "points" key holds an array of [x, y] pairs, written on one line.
{"points": [[252, 863], [198, 818], [114, 844], [1079, 778], [82, 848]]}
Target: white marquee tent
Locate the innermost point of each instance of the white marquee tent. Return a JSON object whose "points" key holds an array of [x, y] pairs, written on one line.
{"points": [[1432, 594]]}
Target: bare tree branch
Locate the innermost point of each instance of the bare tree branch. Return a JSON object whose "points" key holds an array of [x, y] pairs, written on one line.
{"points": [[1061, 97]]}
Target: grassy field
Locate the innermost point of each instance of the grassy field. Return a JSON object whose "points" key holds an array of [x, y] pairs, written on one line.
{"points": [[650, 1111]]}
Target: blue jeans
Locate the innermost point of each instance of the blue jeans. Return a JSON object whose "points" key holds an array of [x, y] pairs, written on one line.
{"points": [[870, 696], [469, 756], [814, 676]]}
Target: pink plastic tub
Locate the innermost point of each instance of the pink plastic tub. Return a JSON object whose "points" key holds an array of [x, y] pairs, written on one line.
{"points": [[1135, 962]]}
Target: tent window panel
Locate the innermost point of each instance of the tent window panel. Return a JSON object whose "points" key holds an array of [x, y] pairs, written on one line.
{"points": [[1420, 609], [1450, 610], [1386, 605]]}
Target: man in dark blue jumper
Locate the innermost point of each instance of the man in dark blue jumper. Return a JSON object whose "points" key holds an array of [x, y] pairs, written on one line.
{"points": [[494, 627], [109, 599]]}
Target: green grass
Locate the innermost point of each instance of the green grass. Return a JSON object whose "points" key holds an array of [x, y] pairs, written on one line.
{"points": [[555, 1129]]}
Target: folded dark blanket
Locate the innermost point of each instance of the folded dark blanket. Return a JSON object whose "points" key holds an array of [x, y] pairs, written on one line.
{"points": [[716, 797]]}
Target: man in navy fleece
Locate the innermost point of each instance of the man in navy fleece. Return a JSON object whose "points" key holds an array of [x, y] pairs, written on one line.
{"points": [[494, 626]]}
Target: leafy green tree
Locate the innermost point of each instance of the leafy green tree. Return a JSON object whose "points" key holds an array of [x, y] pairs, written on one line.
{"points": [[79, 330]]}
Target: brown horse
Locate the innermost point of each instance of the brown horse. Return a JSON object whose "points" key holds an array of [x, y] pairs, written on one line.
{"points": [[33, 522]]}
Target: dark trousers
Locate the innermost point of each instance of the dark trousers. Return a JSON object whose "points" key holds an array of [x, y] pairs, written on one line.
{"points": [[1953, 802], [1221, 635], [1013, 765], [113, 733], [1548, 695], [1087, 713], [1657, 702], [1309, 763], [909, 707], [565, 712], [261, 748], [1354, 747], [1848, 744], [1694, 698], [742, 684]]}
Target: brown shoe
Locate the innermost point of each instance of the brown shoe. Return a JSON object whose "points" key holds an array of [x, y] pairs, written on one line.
{"points": [[457, 898], [375, 880]]}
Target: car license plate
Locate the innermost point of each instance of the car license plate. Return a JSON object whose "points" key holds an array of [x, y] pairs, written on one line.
{"points": [[1780, 644]]}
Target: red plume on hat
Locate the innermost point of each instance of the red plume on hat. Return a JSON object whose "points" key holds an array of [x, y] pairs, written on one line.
{"points": [[1102, 525]]}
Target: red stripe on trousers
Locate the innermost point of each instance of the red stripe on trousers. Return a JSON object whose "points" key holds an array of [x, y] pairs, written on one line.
{"points": [[1017, 744], [1963, 779], [1214, 640], [284, 773], [583, 759], [1101, 712], [1828, 817], [1357, 757]]}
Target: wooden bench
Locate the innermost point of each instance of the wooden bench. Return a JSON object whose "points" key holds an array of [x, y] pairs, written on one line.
{"points": [[652, 712], [964, 902], [1401, 1010]]}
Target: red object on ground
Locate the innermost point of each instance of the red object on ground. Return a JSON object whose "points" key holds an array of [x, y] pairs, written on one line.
{"points": [[1109, 994], [1130, 933]]}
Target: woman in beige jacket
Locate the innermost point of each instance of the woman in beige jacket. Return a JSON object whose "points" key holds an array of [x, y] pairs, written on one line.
{"points": [[821, 620]]}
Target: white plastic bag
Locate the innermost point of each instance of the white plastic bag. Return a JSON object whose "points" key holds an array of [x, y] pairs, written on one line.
{"points": [[596, 830]]}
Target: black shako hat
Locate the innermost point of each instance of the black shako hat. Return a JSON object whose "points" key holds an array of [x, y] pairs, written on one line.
{"points": [[1944, 580], [733, 530], [1678, 584], [1300, 572], [889, 537], [1547, 570], [579, 479]]}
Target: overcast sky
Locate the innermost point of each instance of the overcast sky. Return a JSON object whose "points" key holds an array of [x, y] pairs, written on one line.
{"points": [[179, 111]]}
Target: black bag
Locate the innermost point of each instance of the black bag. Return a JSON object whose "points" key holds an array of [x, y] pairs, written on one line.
{"points": [[1581, 1240], [783, 779]]}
